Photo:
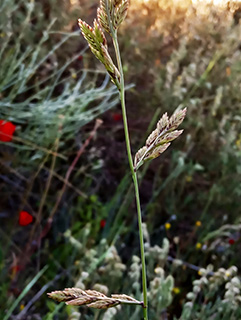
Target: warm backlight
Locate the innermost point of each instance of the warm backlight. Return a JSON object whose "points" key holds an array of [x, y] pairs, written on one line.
{"points": [[195, 2]]}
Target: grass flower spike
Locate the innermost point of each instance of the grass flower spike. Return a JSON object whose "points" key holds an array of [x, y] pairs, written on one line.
{"points": [[160, 139], [98, 45], [91, 298]]}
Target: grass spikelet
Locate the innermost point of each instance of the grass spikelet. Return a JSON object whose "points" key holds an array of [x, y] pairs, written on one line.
{"points": [[157, 152], [162, 123], [176, 119], [159, 140], [152, 137], [140, 153], [98, 45], [65, 295], [124, 297], [120, 13], [91, 298], [103, 19], [117, 2], [100, 36]]}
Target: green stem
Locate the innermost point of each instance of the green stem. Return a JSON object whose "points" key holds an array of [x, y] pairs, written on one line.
{"points": [[144, 282], [134, 175]]}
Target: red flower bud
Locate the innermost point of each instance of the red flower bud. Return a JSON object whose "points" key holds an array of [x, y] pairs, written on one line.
{"points": [[116, 116], [25, 218], [6, 131], [102, 223], [15, 269]]}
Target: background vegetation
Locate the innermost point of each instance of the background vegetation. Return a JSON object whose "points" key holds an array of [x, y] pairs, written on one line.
{"points": [[71, 175]]}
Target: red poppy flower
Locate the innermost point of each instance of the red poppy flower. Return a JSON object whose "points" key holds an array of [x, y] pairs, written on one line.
{"points": [[6, 130], [116, 116], [25, 218], [102, 223], [231, 241], [15, 269]]}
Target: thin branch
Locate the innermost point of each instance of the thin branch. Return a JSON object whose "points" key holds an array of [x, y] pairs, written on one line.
{"points": [[98, 123]]}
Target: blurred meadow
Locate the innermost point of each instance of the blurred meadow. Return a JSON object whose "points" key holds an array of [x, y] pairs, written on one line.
{"points": [[67, 209]]}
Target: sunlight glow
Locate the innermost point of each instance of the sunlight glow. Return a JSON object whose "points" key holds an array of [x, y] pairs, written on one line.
{"points": [[74, 2], [220, 3], [215, 2]]}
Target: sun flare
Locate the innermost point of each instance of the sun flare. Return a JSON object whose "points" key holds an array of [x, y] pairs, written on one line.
{"points": [[220, 3]]}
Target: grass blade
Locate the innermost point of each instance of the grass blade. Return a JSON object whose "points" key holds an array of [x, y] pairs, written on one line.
{"points": [[24, 292]]}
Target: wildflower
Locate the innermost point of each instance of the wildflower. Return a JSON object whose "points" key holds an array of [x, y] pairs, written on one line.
{"points": [[176, 240], [200, 272], [188, 178], [176, 290], [116, 117], [6, 131], [74, 75], [231, 241], [25, 218], [198, 246], [238, 143], [198, 223], [80, 58], [102, 223], [138, 51], [157, 62], [14, 269], [167, 226], [21, 307], [204, 247], [228, 71]]}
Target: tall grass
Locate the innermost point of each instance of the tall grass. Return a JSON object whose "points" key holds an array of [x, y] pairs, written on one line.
{"points": [[188, 57]]}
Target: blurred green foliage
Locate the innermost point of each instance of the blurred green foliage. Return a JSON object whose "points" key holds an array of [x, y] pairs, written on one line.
{"points": [[53, 89]]}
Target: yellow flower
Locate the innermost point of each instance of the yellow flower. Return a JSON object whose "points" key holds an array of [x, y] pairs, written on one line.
{"points": [[21, 307], [74, 75], [188, 178], [238, 143], [198, 223], [198, 246], [176, 290], [167, 226]]}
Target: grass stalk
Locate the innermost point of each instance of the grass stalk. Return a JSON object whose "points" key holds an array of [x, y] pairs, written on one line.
{"points": [[24, 292], [134, 175], [110, 15]]}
